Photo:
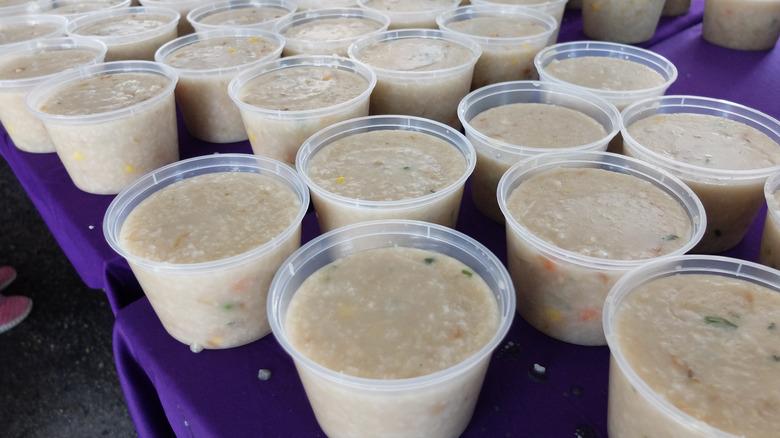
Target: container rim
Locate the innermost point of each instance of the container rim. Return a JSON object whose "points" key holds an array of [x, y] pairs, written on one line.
{"points": [[205, 10], [431, 233], [321, 139], [145, 186], [678, 265], [73, 26], [310, 15], [462, 13]]}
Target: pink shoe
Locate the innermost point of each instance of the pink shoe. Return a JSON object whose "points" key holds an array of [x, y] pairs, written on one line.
{"points": [[7, 276], [13, 310]]}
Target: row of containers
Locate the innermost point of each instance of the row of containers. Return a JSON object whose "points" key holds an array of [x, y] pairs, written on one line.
{"points": [[735, 24], [594, 228]]}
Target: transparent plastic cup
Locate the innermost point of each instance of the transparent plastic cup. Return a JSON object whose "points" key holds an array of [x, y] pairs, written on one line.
{"points": [[19, 29], [496, 156], [555, 8], [183, 7], [621, 21], [742, 25], [129, 33], [504, 58], [639, 407], [559, 291], [279, 134], [431, 92], [213, 304], [348, 406], [335, 210], [619, 98], [410, 14], [73, 9], [24, 128], [260, 14], [769, 253], [328, 31], [105, 151], [731, 197], [202, 92]]}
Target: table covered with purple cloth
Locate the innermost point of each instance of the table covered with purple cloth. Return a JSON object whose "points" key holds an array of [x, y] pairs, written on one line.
{"points": [[535, 386]]}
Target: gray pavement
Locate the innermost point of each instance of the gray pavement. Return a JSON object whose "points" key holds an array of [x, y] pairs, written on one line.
{"points": [[57, 374]]}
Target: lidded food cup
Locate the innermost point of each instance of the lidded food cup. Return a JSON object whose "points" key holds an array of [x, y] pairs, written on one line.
{"points": [[509, 37], [724, 152], [25, 66], [694, 347], [183, 7], [110, 123], [741, 25], [204, 237], [578, 221], [318, 91], [18, 29], [386, 167], [410, 14], [769, 253], [206, 62], [355, 402], [420, 72], [328, 31], [260, 14], [129, 33], [508, 122]]}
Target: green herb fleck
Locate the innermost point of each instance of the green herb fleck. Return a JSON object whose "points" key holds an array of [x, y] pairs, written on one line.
{"points": [[429, 260], [432, 191], [775, 357], [717, 320], [670, 237], [228, 307], [772, 326], [467, 273], [407, 167]]}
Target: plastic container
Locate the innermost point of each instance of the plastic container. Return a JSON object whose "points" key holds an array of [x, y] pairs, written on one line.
{"points": [[328, 31], [510, 55], [19, 7], [621, 21], [731, 197], [103, 152], [619, 98], [129, 33], [741, 25], [19, 29], [348, 406], [561, 292], [279, 134], [213, 304], [336, 210], [555, 8], [639, 406], [260, 14], [410, 14], [183, 7], [24, 128], [202, 92], [496, 156], [404, 86], [73, 9], [769, 253]]}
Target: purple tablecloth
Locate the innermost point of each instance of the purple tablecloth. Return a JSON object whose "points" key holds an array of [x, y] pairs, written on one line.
{"points": [[171, 391]]}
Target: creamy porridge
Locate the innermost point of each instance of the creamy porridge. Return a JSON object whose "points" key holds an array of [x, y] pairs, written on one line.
{"points": [[20, 71], [742, 25], [709, 345], [411, 14], [621, 21], [605, 73], [590, 212], [327, 35], [385, 166], [206, 64], [208, 218], [711, 142]]}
